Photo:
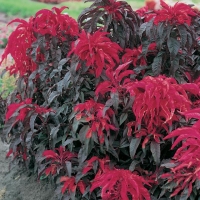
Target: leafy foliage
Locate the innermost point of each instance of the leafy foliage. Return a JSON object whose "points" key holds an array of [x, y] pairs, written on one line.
{"points": [[97, 50], [156, 101], [120, 184], [108, 106], [185, 171], [58, 160]]}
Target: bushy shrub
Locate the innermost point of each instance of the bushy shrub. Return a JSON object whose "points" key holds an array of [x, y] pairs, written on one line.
{"points": [[109, 106]]}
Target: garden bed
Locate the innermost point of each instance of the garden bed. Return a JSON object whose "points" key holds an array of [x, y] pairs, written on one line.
{"points": [[106, 107], [18, 184]]}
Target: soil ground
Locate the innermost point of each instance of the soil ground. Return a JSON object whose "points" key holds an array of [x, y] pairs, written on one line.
{"points": [[16, 184]]}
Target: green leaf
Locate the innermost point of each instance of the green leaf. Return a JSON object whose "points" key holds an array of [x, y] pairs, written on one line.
{"points": [[190, 41], [53, 134], [142, 29], [52, 96], [88, 146], [66, 80], [133, 164], [155, 150], [161, 27], [133, 146], [123, 117], [75, 125], [157, 64], [168, 164], [82, 133], [32, 121], [69, 168], [59, 86], [184, 194], [112, 151], [174, 65], [197, 184], [149, 27], [173, 46], [62, 62], [69, 141], [183, 35], [108, 104], [123, 143], [81, 156], [115, 98], [9, 125]]}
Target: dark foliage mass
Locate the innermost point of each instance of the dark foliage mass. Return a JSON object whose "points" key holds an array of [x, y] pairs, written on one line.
{"points": [[108, 106]]}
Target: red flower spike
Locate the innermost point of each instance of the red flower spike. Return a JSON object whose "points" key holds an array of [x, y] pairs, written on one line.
{"points": [[180, 13], [70, 184], [186, 159], [23, 108], [130, 125], [81, 185], [97, 50], [51, 170], [93, 113], [15, 106], [55, 23], [103, 164], [114, 9], [194, 113], [45, 22], [120, 184], [115, 84], [58, 11], [156, 100], [145, 14], [192, 88], [18, 43], [134, 55], [18, 152], [58, 159], [89, 165], [9, 153]]}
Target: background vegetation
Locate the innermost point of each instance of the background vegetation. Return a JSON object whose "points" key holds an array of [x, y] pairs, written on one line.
{"points": [[26, 8]]}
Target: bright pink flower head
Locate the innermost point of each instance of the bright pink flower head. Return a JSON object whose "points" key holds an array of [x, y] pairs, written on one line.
{"points": [[145, 14], [185, 168], [70, 184], [97, 50], [18, 43], [23, 108], [99, 122], [120, 184], [114, 9], [156, 101], [55, 23], [57, 159], [180, 13], [134, 55]]}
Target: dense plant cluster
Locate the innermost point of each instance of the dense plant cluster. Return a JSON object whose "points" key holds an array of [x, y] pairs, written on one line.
{"points": [[108, 106]]}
